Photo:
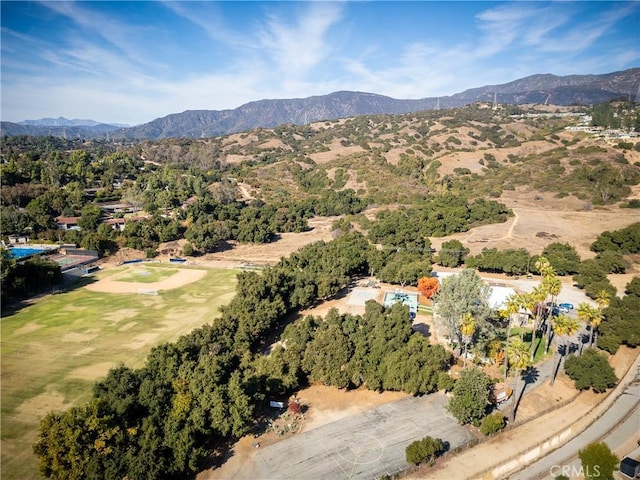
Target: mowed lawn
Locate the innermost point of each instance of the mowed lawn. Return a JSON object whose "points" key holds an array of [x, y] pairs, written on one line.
{"points": [[53, 350]]}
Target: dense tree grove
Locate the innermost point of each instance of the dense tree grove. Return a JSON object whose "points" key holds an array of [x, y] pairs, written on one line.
{"points": [[161, 420], [621, 322], [625, 240], [512, 261], [410, 228]]}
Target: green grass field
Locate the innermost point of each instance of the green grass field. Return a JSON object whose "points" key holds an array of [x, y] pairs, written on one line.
{"points": [[53, 350], [425, 309]]}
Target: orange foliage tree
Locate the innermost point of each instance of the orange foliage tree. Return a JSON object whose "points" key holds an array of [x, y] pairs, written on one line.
{"points": [[428, 286]]}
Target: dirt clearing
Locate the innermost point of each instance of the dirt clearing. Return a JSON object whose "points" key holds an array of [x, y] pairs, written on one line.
{"points": [[179, 279]]}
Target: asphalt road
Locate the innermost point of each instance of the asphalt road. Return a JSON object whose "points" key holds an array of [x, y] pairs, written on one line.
{"points": [[367, 445], [615, 426]]}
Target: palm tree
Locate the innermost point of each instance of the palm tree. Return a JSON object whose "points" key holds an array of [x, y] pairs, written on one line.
{"points": [[603, 299], [467, 329], [536, 297], [592, 316], [543, 265], [519, 359], [564, 327], [553, 286], [512, 307]]}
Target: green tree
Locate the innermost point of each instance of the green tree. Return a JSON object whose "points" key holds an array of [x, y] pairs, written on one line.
{"points": [[452, 254], [462, 293], [562, 257], [470, 396], [598, 461], [591, 370], [90, 217]]}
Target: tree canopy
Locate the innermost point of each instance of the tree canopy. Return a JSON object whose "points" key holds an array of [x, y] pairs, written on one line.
{"points": [[470, 396]]}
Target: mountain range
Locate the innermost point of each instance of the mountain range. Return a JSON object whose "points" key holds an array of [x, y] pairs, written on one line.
{"points": [[535, 89], [65, 122]]}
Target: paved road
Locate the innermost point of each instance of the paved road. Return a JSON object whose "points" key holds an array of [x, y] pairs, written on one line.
{"points": [[615, 427], [368, 445]]}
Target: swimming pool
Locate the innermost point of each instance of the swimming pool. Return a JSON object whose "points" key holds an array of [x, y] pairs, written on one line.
{"points": [[23, 252]]}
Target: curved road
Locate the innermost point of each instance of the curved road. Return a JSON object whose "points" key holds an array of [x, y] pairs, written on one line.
{"points": [[616, 426]]}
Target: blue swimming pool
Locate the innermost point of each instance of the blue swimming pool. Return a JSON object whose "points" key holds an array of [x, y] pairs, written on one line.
{"points": [[22, 252]]}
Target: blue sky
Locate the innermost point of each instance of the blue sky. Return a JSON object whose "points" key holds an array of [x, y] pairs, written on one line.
{"points": [[131, 62]]}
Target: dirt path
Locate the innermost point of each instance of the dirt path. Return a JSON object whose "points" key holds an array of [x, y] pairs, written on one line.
{"points": [[509, 233]]}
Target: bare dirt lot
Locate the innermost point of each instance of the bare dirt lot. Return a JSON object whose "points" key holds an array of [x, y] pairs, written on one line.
{"points": [[540, 219]]}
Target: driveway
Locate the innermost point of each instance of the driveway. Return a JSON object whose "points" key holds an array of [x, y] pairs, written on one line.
{"points": [[367, 445]]}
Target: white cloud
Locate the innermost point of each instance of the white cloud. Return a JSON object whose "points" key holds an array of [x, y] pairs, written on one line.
{"points": [[97, 25], [298, 48], [208, 17], [103, 70]]}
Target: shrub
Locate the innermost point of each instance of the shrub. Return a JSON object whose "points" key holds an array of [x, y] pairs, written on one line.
{"points": [[424, 450], [445, 382], [187, 249], [492, 423]]}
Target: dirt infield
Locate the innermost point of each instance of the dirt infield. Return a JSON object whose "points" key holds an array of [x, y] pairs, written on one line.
{"points": [[179, 279]]}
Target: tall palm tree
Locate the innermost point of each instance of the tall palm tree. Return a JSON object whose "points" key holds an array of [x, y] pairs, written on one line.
{"points": [[553, 286], [592, 316], [564, 327], [536, 298], [519, 360], [512, 307], [467, 329], [543, 265]]}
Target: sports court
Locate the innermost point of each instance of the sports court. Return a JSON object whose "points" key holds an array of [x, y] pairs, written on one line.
{"points": [[367, 445], [359, 296]]}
